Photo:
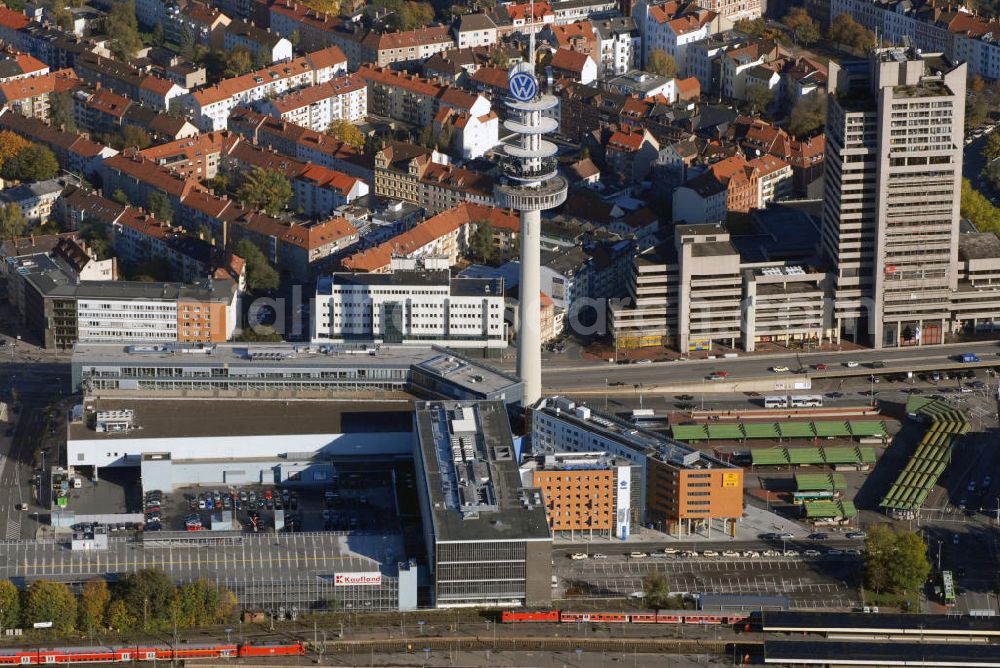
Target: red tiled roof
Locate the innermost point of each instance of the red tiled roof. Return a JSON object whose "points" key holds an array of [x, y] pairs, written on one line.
{"points": [[108, 102], [565, 35], [22, 89], [627, 139], [313, 94], [688, 89], [411, 38], [227, 88], [13, 20], [494, 77], [569, 60], [152, 174], [520, 12], [446, 222]]}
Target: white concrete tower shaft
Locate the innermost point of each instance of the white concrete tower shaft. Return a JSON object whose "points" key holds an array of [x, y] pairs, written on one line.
{"points": [[531, 184]]}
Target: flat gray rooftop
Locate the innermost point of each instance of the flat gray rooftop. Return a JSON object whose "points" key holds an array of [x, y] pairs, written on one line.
{"points": [[320, 361], [186, 418], [504, 516]]}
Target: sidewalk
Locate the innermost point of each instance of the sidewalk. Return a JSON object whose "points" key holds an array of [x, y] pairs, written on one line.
{"points": [[755, 522]]}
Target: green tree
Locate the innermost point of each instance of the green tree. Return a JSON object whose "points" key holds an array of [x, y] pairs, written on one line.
{"points": [[33, 163], [159, 206], [61, 15], [265, 189], [61, 111], [135, 137], [118, 617], [185, 42], [656, 590], [10, 145], [157, 36], [261, 276], [845, 30], [992, 149], [977, 112], [12, 222], [759, 97], [200, 603], [47, 601], [93, 606], [346, 132], [662, 63], [481, 242], [445, 137], [411, 15], [895, 561], [147, 595], [806, 30], [10, 605], [239, 61], [98, 236], [808, 114], [219, 184], [119, 196], [123, 28], [978, 209]]}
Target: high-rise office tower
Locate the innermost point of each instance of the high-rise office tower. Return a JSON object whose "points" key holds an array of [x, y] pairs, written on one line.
{"points": [[892, 192]]}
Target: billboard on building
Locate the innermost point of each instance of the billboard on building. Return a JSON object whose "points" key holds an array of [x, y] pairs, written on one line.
{"points": [[623, 501], [370, 579]]}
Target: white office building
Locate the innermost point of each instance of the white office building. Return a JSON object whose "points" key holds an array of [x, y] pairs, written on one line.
{"points": [[417, 302]]}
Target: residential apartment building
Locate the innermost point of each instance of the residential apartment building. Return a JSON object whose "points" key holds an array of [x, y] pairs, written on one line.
{"points": [[415, 302], [30, 96], [414, 174], [407, 47], [680, 489], [316, 107], [670, 27], [472, 136], [209, 107], [316, 190], [139, 238], [585, 493], [61, 308], [412, 99], [127, 80], [443, 235], [472, 30], [895, 137], [957, 31], [263, 44], [619, 45], [74, 151], [487, 538], [302, 143]]}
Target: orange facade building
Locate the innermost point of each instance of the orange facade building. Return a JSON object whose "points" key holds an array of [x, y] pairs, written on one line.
{"points": [[202, 322], [588, 492]]}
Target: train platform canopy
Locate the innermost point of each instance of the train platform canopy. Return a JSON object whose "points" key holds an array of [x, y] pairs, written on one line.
{"points": [[927, 626], [819, 456], [779, 430], [820, 482], [830, 510], [742, 602], [792, 652], [914, 483]]}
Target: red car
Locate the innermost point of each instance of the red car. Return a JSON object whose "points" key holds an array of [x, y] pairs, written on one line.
{"points": [[820, 367]]}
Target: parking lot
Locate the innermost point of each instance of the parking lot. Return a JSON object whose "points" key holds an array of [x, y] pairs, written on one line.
{"points": [[356, 499], [827, 582]]}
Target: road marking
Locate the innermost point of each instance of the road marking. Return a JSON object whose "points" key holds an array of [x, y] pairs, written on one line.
{"points": [[13, 530]]}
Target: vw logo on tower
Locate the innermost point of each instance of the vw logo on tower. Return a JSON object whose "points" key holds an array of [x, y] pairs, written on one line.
{"points": [[523, 87]]}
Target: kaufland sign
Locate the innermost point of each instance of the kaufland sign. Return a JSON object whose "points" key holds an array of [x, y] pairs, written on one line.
{"points": [[357, 579]]}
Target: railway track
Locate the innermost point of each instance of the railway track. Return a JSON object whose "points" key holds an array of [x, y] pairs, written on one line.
{"points": [[534, 643]]}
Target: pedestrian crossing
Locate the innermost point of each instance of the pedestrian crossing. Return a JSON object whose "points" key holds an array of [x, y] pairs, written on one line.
{"points": [[13, 531]]}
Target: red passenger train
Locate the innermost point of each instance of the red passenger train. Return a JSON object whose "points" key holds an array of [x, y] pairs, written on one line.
{"points": [[644, 617], [121, 654]]}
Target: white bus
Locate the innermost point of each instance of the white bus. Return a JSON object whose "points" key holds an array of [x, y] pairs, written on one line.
{"points": [[807, 400], [776, 402]]}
